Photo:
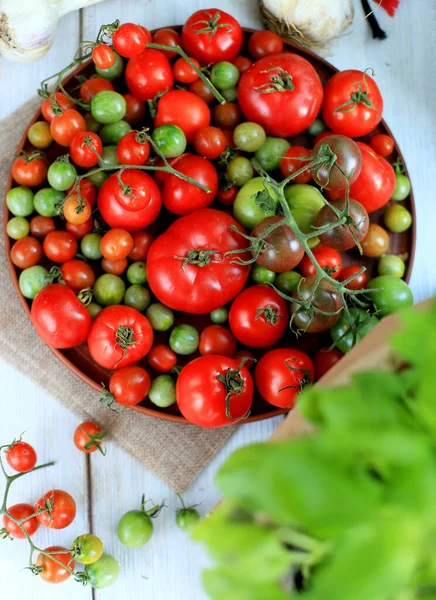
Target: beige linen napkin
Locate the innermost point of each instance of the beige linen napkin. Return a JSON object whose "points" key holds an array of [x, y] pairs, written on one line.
{"points": [[174, 452]]}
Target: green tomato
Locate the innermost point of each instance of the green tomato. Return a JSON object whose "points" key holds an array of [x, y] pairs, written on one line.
{"points": [[32, 280], [113, 132], [137, 297], [114, 71], [271, 153], [224, 75], [17, 228], [317, 127], [47, 201], [391, 265], [108, 157], [163, 391], [255, 201], [170, 140], [108, 107], [184, 339], [249, 137], [89, 549], [161, 317], [394, 294], [90, 246], [239, 171], [341, 334], [94, 309], [61, 174], [104, 572], [219, 315], [287, 282], [109, 289], [230, 95], [397, 218], [261, 275], [402, 187], [99, 177], [305, 202], [137, 272], [20, 201], [135, 529], [186, 518]]}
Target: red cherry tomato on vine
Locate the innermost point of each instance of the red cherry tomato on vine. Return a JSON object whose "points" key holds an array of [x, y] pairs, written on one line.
{"points": [[63, 509], [382, 144], [288, 166], [328, 259], [77, 275], [324, 360], [210, 142], [135, 109], [263, 43], [142, 241], [21, 457], [116, 244], [129, 385], [29, 171], [130, 40], [52, 572], [65, 126], [184, 109], [79, 230], [216, 339], [86, 149], [88, 437], [59, 246], [242, 63], [161, 358], [130, 151], [20, 512], [26, 252], [358, 283], [149, 74], [184, 72], [63, 101], [103, 56], [93, 86], [167, 37]]}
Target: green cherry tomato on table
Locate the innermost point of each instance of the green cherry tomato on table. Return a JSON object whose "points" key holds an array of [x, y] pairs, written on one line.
{"points": [[113, 132], [271, 153], [47, 200], [394, 294], [108, 107], [33, 280], [254, 202], [90, 246], [87, 549], [170, 140], [261, 275], [343, 336], [163, 391], [239, 171], [184, 339], [135, 527], [160, 316], [402, 187], [287, 282], [187, 516], [104, 572], [20, 201], [137, 297], [224, 75], [114, 71], [249, 137], [397, 218], [17, 228], [109, 289], [219, 316], [61, 174], [389, 264]]}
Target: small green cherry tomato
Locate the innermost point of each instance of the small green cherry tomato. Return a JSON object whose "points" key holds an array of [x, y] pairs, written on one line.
{"points": [[104, 572], [20, 201], [47, 201], [261, 275], [170, 140], [99, 177], [160, 316], [135, 529], [108, 107], [305, 202], [389, 264], [114, 71], [394, 294], [187, 516], [249, 137], [163, 391], [397, 218], [39, 135], [287, 282], [17, 228], [271, 153], [109, 289], [317, 127], [224, 75], [255, 201], [88, 549], [341, 334], [108, 159], [90, 246], [402, 187], [32, 280], [61, 174], [230, 95], [94, 309], [137, 297], [239, 171], [184, 339], [113, 132], [137, 272], [219, 315]]}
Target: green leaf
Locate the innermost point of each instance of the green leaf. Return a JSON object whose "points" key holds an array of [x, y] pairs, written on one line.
{"points": [[224, 584], [265, 201]]}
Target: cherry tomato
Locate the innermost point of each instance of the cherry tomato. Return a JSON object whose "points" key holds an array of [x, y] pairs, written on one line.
{"points": [[61, 99], [210, 142], [86, 149], [341, 237], [184, 72], [129, 385], [91, 87], [321, 136], [328, 259], [167, 37], [322, 297], [135, 109], [88, 437], [77, 274], [242, 63], [20, 512], [21, 457], [131, 150], [59, 246], [263, 43], [200, 89], [76, 210], [114, 267], [226, 197], [184, 109], [30, 170], [161, 358], [40, 226], [26, 252], [324, 360], [52, 571], [382, 144], [149, 74], [63, 509], [216, 339], [79, 230], [227, 116], [348, 161], [249, 361], [358, 283], [116, 244], [65, 126], [130, 40], [282, 251], [289, 167], [376, 241], [87, 189], [103, 56], [142, 241]]}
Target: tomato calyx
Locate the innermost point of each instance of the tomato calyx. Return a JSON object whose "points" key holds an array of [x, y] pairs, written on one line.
{"points": [[354, 327], [124, 338], [107, 398], [126, 189], [185, 509], [211, 24], [269, 313], [234, 385], [257, 246], [28, 158], [5, 535], [142, 136], [55, 276], [85, 296], [201, 257], [358, 97], [95, 441], [155, 510], [281, 82], [305, 381]]}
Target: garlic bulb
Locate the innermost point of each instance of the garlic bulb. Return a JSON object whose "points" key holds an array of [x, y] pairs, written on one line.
{"points": [[27, 27], [312, 23]]}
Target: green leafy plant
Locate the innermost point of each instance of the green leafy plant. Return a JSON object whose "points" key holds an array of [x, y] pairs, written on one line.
{"points": [[347, 512]]}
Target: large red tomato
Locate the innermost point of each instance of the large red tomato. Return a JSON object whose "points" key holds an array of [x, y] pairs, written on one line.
{"points": [[181, 197], [119, 336], [133, 207], [352, 104], [187, 266], [283, 93], [220, 37], [375, 184], [59, 318], [184, 109], [149, 74], [281, 374], [258, 316], [212, 391]]}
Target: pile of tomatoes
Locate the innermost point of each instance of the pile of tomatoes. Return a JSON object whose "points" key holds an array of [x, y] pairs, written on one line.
{"points": [[152, 271]]}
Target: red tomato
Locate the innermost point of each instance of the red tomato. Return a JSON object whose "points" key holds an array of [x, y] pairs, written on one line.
{"points": [[383, 145], [200, 89], [64, 127], [213, 392], [281, 113], [114, 267], [210, 142], [116, 244], [128, 386], [242, 63], [59, 246], [324, 360], [263, 43], [216, 339], [375, 184], [246, 356], [130, 40], [130, 151], [142, 241], [40, 226], [289, 167], [103, 56], [258, 316], [184, 109], [21, 456], [149, 74], [20, 512], [226, 197], [135, 109], [181, 197], [188, 269], [91, 87], [281, 374], [167, 37], [183, 71], [63, 509], [121, 210], [59, 318], [119, 336], [61, 99], [227, 116], [88, 437], [52, 571], [77, 274], [88, 191], [86, 149], [358, 283], [161, 358], [79, 230], [29, 170], [352, 104], [26, 252], [328, 259], [220, 38]]}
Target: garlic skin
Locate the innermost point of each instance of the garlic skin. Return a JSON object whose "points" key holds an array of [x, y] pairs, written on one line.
{"points": [[28, 27], [317, 22]]}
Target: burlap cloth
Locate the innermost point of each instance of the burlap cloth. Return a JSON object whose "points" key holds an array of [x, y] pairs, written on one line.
{"points": [[175, 452]]}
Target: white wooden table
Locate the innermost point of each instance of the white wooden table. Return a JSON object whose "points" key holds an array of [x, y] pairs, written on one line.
{"points": [[168, 567]]}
